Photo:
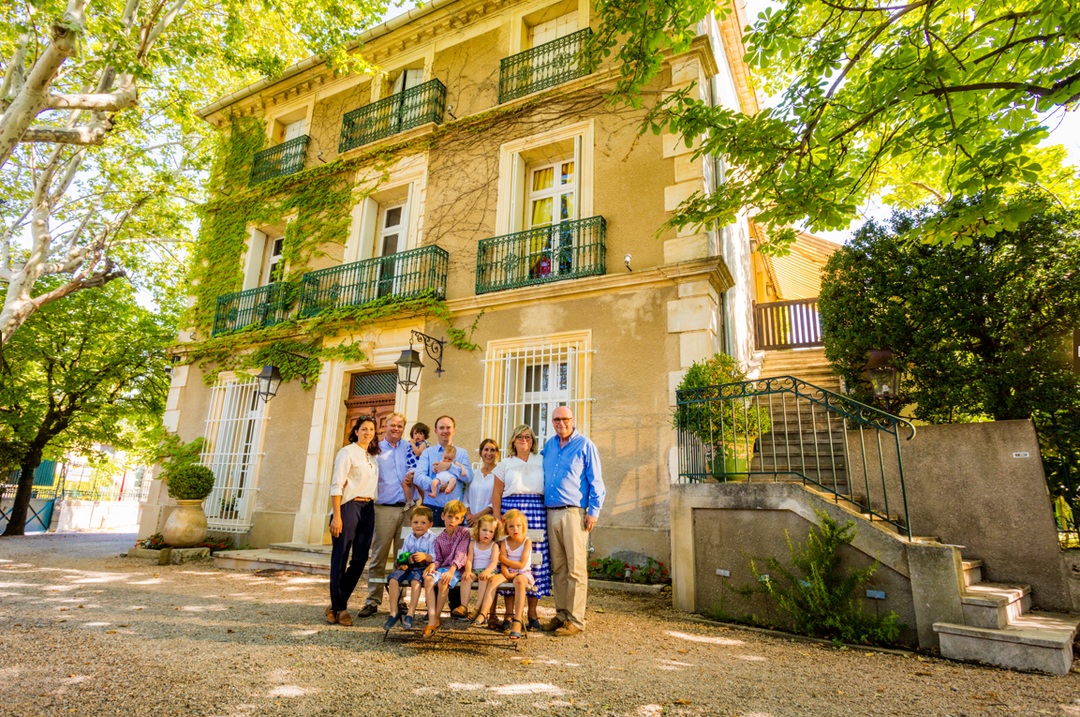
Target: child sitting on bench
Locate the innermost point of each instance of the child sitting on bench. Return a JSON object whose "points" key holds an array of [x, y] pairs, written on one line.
{"points": [[515, 557], [482, 566], [418, 551], [451, 554]]}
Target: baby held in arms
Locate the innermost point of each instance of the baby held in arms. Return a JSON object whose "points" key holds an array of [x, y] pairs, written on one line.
{"points": [[448, 471]]}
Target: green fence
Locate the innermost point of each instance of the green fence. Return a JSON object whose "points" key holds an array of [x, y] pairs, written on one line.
{"points": [[285, 158], [788, 430], [396, 113], [543, 66], [568, 250], [46, 482], [261, 306], [405, 274]]}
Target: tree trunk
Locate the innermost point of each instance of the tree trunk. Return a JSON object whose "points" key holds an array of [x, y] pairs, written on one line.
{"points": [[17, 520]]}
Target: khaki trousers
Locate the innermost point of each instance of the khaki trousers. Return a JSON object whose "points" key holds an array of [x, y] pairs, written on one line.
{"points": [[388, 522], [568, 544]]}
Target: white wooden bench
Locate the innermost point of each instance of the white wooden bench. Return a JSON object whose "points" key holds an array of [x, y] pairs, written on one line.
{"points": [[536, 536]]}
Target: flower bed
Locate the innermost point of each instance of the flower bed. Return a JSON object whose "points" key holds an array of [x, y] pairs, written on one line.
{"points": [[653, 572], [157, 542]]}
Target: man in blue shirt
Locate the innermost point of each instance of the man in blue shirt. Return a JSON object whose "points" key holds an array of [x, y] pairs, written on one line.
{"points": [[389, 509], [574, 495], [430, 463]]}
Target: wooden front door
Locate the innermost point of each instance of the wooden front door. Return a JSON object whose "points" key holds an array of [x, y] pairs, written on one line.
{"points": [[380, 405]]}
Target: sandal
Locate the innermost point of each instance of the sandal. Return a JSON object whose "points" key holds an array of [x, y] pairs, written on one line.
{"points": [[430, 629], [534, 625], [479, 621], [472, 615], [515, 633]]}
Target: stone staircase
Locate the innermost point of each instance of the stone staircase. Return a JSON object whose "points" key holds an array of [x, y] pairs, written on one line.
{"points": [[810, 365], [999, 630], [804, 438]]}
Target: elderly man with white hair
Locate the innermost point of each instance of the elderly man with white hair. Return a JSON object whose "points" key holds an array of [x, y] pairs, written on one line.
{"points": [[573, 495]]}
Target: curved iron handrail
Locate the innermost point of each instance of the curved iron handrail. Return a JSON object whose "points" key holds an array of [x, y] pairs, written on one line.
{"points": [[855, 410], [707, 436]]}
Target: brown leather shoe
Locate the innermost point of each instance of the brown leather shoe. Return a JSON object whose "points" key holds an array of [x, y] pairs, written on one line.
{"points": [[331, 616], [552, 626], [367, 611], [568, 629], [344, 619]]}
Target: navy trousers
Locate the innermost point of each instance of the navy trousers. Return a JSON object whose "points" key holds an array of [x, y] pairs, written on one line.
{"points": [[357, 528]]}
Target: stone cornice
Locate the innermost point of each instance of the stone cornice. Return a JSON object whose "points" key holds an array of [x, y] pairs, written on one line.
{"points": [[712, 268]]}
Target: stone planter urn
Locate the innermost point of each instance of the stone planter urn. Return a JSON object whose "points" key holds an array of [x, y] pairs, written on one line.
{"points": [[186, 525]]}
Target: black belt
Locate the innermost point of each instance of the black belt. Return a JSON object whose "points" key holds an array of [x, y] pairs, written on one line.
{"points": [[564, 507], [392, 505]]}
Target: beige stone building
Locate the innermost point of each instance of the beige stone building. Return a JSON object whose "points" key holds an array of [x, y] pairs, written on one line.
{"points": [[514, 188]]}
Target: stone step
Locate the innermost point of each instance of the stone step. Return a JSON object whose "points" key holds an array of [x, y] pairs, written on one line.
{"points": [[1041, 642], [315, 563], [972, 572], [994, 605], [302, 548]]}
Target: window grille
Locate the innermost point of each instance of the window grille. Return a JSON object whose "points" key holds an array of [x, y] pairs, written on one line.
{"points": [[526, 383], [374, 384], [233, 449]]}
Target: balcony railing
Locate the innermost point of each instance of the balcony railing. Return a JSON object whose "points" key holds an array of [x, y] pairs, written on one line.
{"points": [[285, 158], [261, 306], [568, 250], [543, 66], [402, 275], [397, 113]]}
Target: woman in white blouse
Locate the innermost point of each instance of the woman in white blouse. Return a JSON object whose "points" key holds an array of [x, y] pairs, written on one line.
{"points": [[352, 498], [519, 485], [478, 492]]}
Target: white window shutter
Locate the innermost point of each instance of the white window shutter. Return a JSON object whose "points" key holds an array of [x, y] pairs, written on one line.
{"points": [[412, 78], [517, 194], [369, 215], [404, 243], [253, 264], [294, 130], [399, 83], [578, 169]]}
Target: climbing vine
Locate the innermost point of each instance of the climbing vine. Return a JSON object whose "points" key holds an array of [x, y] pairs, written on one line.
{"points": [[315, 206]]}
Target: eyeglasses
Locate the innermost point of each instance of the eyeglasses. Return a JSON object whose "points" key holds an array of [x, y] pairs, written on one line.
{"points": [[561, 420], [523, 438]]}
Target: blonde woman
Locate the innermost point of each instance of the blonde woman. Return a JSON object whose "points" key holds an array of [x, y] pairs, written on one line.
{"points": [[519, 485]]}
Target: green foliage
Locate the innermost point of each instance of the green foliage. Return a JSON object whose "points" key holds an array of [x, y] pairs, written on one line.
{"points": [[715, 414], [190, 482], [172, 453], [153, 542], [820, 598], [949, 98], [652, 573], [979, 329], [89, 369]]}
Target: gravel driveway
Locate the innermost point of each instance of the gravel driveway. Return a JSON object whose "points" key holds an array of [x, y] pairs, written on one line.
{"points": [[85, 632]]}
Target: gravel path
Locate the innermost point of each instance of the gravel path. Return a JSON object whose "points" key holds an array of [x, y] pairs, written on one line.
{"points": [[84, 632]]}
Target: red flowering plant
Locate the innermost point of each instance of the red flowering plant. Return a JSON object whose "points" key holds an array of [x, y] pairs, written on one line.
{"points": [[652, 573], [215, 544], [154, 542]]}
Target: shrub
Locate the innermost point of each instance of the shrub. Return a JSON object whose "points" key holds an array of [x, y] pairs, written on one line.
{"points": [[190, 482], [651, 573], [721, 418], [820, 599]]}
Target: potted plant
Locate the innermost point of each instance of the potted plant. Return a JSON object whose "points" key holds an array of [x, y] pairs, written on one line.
{"points": [[719, 414], [188, 486]]}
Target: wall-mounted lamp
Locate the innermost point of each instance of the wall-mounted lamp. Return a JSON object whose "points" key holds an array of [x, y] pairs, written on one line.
{"points": [[409, 363], [884, 378], [269, 381], [626, 260]]}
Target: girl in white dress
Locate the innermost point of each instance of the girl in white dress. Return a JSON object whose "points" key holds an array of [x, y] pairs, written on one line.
{"points": [[482, 566]]}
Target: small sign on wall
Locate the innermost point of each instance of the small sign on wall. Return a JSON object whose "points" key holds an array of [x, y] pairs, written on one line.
{"points": [[1022, 454]]}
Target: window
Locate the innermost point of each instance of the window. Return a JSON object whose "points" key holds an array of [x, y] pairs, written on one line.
{"points": [[553, 29], [392, 233], [233, 449], [527, 379], [275, 267]]}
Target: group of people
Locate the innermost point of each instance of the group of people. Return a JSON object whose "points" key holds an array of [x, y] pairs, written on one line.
{"points": [[486, 515]]}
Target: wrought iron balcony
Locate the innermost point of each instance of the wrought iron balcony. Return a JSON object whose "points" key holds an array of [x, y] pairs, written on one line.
{"points": [[285, 158], [568, 250], [402, 275], [261, 306], [543, 66], [396, 113]]}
